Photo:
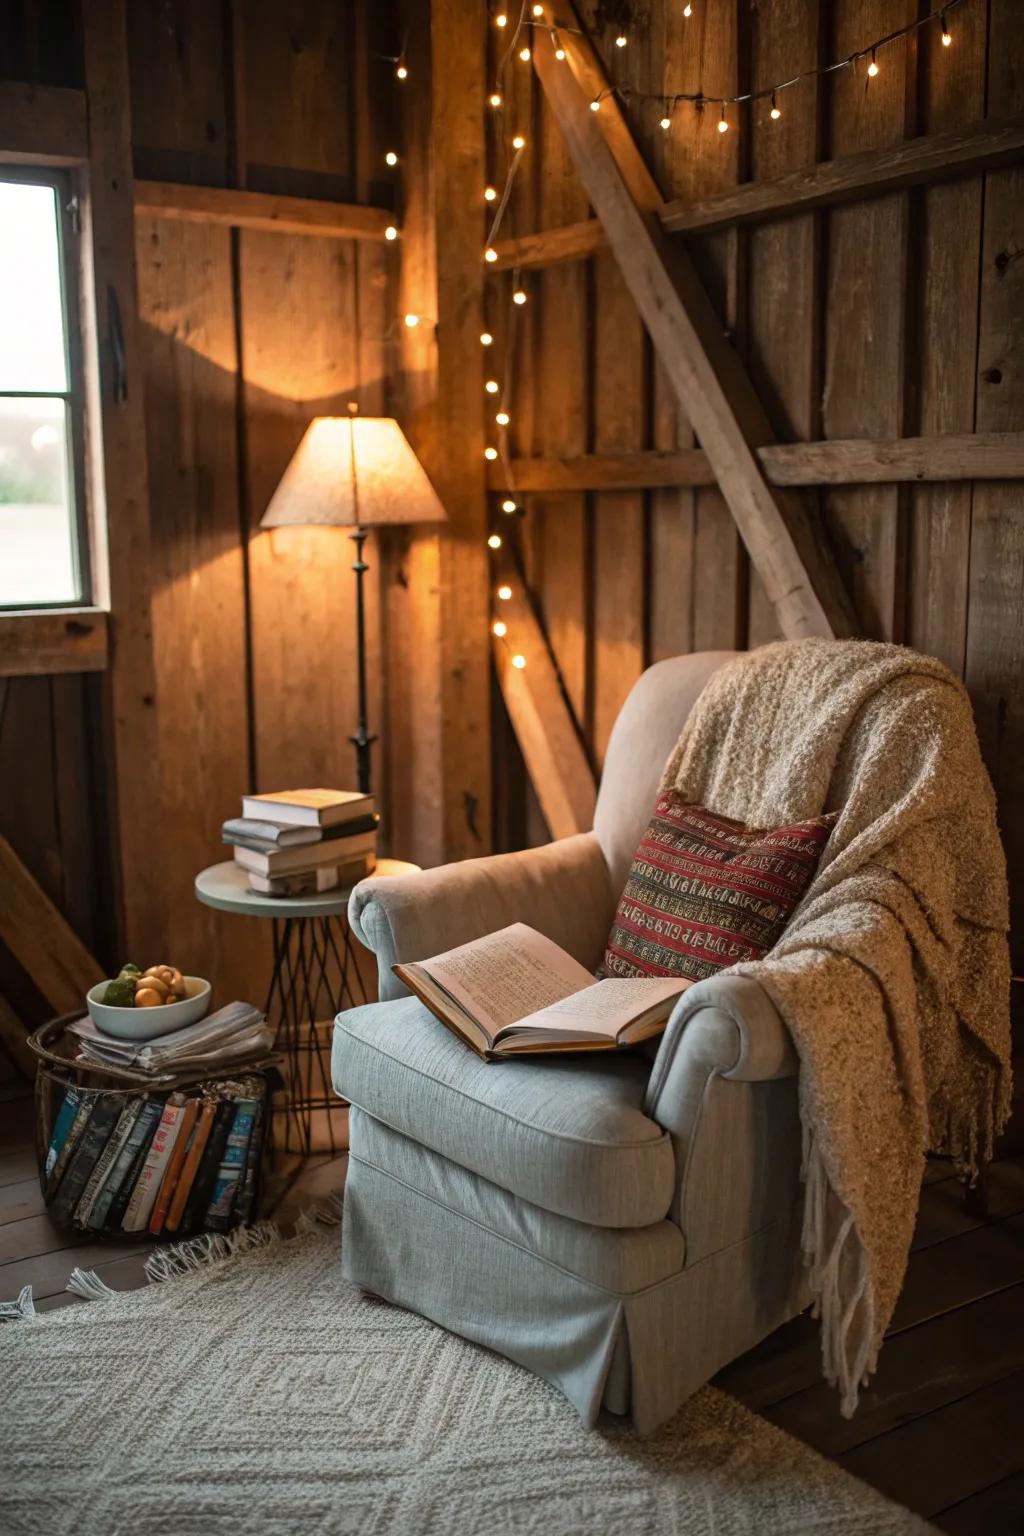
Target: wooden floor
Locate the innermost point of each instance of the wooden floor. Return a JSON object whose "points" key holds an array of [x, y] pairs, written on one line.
{"points": [[940, 1429]]}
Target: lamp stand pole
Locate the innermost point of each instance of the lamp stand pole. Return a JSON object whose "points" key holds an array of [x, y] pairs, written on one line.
{"points": [[362, 738]]}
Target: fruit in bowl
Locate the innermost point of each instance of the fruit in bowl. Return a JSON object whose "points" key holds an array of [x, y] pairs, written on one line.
{"points": [[153, 988]]}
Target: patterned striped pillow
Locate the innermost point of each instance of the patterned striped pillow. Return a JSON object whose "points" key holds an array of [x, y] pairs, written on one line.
{"points": [[705, 892]]}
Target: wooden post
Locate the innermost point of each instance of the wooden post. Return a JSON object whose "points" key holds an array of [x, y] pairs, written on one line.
{"points": [[118, 473], [799, 576]]}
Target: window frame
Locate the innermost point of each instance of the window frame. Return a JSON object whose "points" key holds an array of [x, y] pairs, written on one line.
{"points": [[65, 184]]}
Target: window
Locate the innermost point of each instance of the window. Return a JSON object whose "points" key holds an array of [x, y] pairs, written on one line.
{"points": [[43, 549]]}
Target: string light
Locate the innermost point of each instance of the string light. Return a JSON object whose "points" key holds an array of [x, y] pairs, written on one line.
{"points": [[687, 11], [559, 54], [947, 36], [499, 628], [504, 594], [494, 542], [401, 73], [501, 20], [538, 10], [494, 99], [595, 105], [775, 113], [490, 254], [873, 66], [491, 386], [508, 505], [391, 233], [519, 297], [412, 321], [518, 142], [519, 661], [723, 126], [490, 194], [666, 123], [486, 338], [490, 453], [391, 158], [503, 418], [524, 54], [621, 40]]}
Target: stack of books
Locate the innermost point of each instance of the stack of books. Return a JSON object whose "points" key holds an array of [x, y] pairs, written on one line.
{"points": [[180, 1163], [301, 841]]}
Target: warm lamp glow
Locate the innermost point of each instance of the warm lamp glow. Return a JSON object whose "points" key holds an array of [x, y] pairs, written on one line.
{"points": [[351, 471]]}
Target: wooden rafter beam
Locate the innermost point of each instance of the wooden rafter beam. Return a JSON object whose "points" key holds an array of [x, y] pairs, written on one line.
{"points": [[261, 210], [46, 124], [14, 1038], [937, 157], [784, 543], [40, 938], [556, 761], [848, 461], [55, 640], [912, 162]]}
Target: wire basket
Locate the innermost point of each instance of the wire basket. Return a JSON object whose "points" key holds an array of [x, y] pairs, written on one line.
{"points": [[59, 1069]]}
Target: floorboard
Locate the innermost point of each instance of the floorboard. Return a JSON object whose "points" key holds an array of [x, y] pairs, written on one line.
{"points": [[995, 1511]]}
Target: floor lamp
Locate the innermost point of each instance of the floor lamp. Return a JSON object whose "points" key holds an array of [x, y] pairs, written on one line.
{"points": [[356, 472]]}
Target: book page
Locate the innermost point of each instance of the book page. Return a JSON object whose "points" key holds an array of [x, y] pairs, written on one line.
{"points": [[506, 975], [605, 1007]]}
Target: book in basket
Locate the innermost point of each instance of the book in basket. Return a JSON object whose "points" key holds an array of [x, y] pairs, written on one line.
{"points": [[516, 991]]}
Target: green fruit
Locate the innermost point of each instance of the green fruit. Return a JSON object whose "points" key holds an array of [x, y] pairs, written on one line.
{"points": [[120, 993], [129, 970]]}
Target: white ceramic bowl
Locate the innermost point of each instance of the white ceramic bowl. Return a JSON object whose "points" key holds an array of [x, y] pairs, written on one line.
{"points": [[147, 1023]]}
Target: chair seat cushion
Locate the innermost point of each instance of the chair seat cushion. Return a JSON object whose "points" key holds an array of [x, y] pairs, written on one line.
{"points": [[566, 1133]]}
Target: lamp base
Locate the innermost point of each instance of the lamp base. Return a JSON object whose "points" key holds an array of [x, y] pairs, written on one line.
{"points": [[362, 737]]}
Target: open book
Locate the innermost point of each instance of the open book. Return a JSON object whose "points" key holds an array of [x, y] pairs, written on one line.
{"points": [[515, 991]]}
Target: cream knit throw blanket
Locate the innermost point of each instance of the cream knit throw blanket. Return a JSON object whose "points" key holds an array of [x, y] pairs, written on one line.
{"points": [[893, 974]]}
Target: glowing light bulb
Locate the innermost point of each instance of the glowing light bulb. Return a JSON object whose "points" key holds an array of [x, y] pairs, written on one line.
{"points": [[519, 662], [723, 126], [538, 10], [519, 297], [501, 20], [391, 233], [873, 66], [490, 193], [412, 321], [502, 418], [486, 338], [499, 628], [391, 158], [491, 386], [490, 254], [504, 593], [775, 113], [490, 453], [494, 99], [401, 73], [595, 105], [494, 542], [621, 40], [947, 36], [518, 142], [559, 54], [666, 123], [524, 54], [687, 11], [508, 505]]}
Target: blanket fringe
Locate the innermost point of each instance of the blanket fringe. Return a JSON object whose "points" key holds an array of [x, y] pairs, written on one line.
{"points": [[19, 1310]]}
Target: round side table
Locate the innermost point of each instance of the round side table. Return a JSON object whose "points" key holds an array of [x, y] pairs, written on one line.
{"points": [[315, 975]]}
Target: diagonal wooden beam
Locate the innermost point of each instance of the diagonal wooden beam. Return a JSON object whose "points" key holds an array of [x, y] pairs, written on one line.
{"points": [[40, 938], [785, 545]]}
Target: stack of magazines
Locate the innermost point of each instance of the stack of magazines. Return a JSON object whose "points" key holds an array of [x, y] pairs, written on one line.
{"points": [[232, 1033], [301, 841], [182, 1163]]}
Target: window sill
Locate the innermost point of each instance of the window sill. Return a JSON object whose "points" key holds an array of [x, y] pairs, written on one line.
{"points": [[43, 642]]}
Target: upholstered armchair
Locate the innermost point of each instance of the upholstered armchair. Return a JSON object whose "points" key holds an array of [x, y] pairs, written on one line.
{"points": [[621, 1225]]}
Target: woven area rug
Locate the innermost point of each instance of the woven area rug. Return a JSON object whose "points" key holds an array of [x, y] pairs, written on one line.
{"points": [[262, 1394]]}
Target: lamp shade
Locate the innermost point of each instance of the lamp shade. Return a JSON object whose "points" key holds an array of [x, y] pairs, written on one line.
{"points": [[353, 471]]}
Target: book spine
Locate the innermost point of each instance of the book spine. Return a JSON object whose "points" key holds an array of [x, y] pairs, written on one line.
{"points": [[174, 1165], [147, 1185], [249, 1183], [69, 1144], [94, 1139], [101, 1172], [200, 1134], [206, 1173], [134, 1156], [61, 1126], [229, 1175]]}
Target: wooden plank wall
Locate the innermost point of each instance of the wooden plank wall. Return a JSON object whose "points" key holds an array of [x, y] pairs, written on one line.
{"points": [[891, 317]]}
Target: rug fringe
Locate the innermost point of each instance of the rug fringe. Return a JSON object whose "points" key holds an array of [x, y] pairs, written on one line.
{"points": [[211, 1248], [18, 1311], [87, 1284]]}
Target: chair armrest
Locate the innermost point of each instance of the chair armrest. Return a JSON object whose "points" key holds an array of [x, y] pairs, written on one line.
{"points": [[562, 889], [723, 1085]]}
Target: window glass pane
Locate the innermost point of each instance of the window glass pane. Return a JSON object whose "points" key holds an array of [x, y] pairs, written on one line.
{"points": [[37, 554], [31, 313]]}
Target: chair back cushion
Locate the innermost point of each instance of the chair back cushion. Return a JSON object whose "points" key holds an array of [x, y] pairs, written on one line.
{"points": [[642, 737]]}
